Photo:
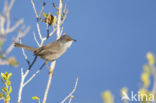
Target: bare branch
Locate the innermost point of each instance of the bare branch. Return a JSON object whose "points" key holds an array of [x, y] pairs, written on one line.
{"points": [[65, 13], [20, 35], [71, 98], [11, 5], [4, 62], [18, 23], [72, 92], [52, 32], [32, 2], [21, 85], [36, 39], [43, 5], [31, 77], [25, 56]]}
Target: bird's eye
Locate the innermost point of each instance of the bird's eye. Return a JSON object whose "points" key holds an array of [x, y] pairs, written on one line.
{"points": [[68, 39]]}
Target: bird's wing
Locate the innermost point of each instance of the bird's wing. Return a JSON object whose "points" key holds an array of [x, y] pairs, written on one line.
{"points": [[50, 48]]}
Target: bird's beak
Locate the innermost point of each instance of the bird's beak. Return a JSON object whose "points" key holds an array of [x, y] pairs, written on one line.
{"points": [[74, 40]]}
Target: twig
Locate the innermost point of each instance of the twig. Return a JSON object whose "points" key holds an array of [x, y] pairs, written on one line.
{"points": [[71, 94], [52, 32], [19, 36], [34, 74], [4, 62], [40, 35], [65, 12], [23, 76], [34, 8], [36, 39], [71, 98], [43, 5], [25, 56], [18, 23]]}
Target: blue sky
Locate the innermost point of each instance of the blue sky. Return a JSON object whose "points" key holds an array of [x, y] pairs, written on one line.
{"points": [[113, 37]]}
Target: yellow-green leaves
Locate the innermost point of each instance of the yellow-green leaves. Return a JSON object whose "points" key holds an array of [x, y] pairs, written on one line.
{"points": [[107, 97], [145, 77], [49, 19], [7, 88], [150, 58], [2, 96], [36, 98], [44, 15], [148, 70]]}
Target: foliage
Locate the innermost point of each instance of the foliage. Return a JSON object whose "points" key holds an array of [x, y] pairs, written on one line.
{"points": [[144, 93], [36, 98], [7, 88]]}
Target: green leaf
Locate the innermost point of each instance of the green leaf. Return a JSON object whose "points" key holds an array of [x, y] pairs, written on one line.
{"points": [[44, 15], [3, 76], [2, 80], [2, 96], [10, 89], [9, 75], [7, 98], [4, 89], [8, 82], [57, 13], [35, 98], [6, 74]]}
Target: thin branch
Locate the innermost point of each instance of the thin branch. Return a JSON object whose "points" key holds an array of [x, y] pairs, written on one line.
{"points": [[21, 85], [52, 32], [32, 2], [18, 23], [11, 4], [4, 62], [72, 92], [34, 75], [40, 35], [20, 35], [36, 39], [71, 98], [25, 56], [43, 5], [65, 13]]}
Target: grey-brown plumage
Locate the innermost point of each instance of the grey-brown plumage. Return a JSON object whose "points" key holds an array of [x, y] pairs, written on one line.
{"points": [[51, 51]]}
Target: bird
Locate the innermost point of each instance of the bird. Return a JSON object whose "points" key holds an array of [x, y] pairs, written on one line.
{"points": [[50, 51]]}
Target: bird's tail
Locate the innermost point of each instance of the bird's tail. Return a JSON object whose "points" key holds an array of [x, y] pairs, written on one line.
{"points": [[25, 47]]}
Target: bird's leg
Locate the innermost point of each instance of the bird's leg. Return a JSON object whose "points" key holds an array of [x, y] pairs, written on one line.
{"points": [[50, 72], [42, 66], [46, 62], [47, 30], [30, 66]]}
